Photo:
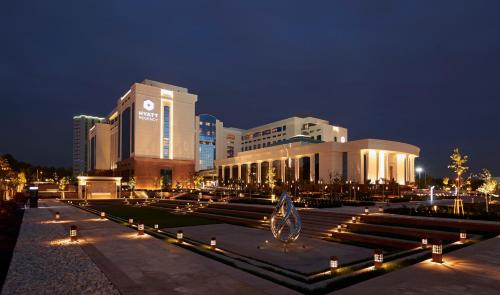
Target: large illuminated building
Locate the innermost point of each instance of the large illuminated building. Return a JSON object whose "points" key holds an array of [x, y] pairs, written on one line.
{"points": [[149, 135], [154, 135]]}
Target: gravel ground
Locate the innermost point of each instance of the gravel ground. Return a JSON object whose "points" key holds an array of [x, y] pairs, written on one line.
{"points": [[44, 262]]}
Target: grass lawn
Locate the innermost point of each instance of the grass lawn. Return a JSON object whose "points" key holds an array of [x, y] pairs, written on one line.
{"points": [[150, 216]]}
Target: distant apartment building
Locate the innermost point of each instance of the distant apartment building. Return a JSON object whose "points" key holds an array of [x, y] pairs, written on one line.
{"points": [[81, 127]]}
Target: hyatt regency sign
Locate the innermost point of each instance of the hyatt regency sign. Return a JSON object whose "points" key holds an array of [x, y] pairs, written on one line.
{"points": [[147, 114]]}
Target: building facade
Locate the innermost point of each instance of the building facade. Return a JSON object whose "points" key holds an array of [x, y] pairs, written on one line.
{"points": [[81, 127], [149, 135], [303, 159], [154, 135]]}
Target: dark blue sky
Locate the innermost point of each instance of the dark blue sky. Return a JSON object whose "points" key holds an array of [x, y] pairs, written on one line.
{"points": [[422, 72]]}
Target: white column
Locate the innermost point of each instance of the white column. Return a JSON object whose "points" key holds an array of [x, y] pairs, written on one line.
{"points": [[283, 169], [259, 167], [297, 168], [222, 174], [311, 168]]}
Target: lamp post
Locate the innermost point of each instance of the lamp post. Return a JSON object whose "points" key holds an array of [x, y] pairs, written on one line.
{"points": [[437, 252], [334, 264], [419, 171], [140, 228], [463, 236], [378, 258], [424, 243], [73, 233]]}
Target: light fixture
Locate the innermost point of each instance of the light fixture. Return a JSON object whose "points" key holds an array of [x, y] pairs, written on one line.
{"points": [[180, 235], [378, 258], [334, 263], [103, 215], [156, 226], [73, 233], [358, 219], [380, 209], [437, 252], [57, 216], [353, 219], [130, 220], [213, 243], [424, 243], [339, 228], [463, 236], [367, 210], [140, 228]]}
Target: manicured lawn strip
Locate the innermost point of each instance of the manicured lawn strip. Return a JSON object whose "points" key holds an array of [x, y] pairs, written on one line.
{"points": [[151, 216]]}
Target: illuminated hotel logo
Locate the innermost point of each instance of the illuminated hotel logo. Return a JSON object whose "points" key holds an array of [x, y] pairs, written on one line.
{"points": [[149, 105], [147, 115]]}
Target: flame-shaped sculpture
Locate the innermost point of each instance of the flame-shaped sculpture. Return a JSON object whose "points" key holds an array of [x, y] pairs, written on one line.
{"points": [[285, 214]]}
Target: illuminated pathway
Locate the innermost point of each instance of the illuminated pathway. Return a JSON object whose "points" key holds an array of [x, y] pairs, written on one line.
{"points": [[134, 265], [473, 270]]}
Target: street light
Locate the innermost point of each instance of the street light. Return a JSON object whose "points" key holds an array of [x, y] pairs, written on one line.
{"points": [[419, 170]]}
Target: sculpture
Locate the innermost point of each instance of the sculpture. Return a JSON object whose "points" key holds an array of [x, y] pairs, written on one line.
{"points": [[285, 214]]}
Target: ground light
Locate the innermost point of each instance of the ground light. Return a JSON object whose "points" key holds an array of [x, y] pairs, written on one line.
{"points": [[103, 215], [424, 243], [367, 210], [213, 243], [353, 219], [378, 258], [334, 263], [437, 252], [180, 236], [130, 220], [140, 228], [380, 209], [339, 228], [156, 226], [463, 236], [73, 233], [57, 216]]}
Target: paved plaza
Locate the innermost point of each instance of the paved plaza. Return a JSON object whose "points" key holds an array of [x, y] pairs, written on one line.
{"points": [[474, 270], [47, 264], [111, 259], [306, 255]]}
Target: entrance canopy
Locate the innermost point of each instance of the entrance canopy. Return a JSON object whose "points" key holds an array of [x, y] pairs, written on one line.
{"points": [[99, 187]]}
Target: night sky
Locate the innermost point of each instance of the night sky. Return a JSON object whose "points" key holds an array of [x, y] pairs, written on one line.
{"points": [[421, 72]]}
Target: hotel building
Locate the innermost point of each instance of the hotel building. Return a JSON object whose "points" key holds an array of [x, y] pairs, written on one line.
{"points": [[154, 135]]}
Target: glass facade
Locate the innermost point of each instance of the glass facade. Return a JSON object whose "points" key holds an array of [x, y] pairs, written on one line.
{"points": [[207, 142], [166, 132]]}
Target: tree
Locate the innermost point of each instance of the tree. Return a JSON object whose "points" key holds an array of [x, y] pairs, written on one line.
{"points": [[457, 165], [271, 181], [488, 187], [21, 181], [63, 182], [446, 182], [131, 184], [198, 181]]}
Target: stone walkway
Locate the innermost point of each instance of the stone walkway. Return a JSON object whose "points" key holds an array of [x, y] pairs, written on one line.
{"points": [[45, 263], [474, 270]]}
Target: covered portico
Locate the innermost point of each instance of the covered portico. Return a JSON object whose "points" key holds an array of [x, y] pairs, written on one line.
{"points": [[99, 187]]}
